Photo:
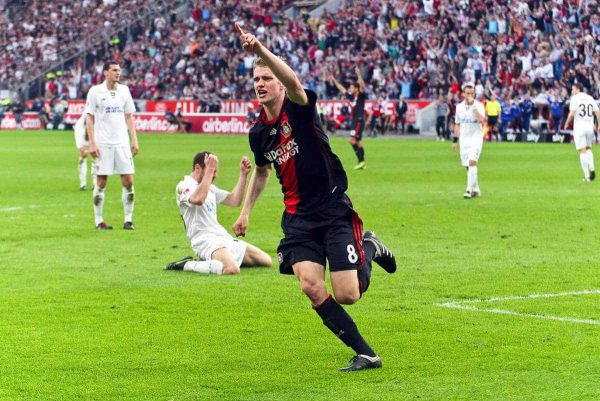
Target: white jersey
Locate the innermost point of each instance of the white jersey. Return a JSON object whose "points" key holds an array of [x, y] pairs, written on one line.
{"points": [[469, 126], [200, 220], [79, 131], [109, 109], [584, 107]]}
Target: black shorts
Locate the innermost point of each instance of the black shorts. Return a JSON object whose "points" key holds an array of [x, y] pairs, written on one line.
{"points": [[357, 128], [333, 234], [492, 120]]}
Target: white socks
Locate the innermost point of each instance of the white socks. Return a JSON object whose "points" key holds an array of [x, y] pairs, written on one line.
{"points": [[82, 168], [583, 159], [204, 267], [590, 156], [128, 198], [98, 197], [472, 178]]}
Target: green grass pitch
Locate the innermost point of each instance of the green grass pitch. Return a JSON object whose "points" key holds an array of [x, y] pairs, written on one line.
{"points": [[88, 315]]}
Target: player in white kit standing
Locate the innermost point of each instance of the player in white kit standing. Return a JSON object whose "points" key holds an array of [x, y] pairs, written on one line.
{"points": [[468, 131], [83, 146], [110, 126], [581, 111]]}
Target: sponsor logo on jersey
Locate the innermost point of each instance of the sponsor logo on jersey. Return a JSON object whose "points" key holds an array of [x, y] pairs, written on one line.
{"points": [[273, 131], [283, 152]]}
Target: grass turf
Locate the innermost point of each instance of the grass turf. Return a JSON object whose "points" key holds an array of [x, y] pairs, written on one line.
{"points": [[89, 315]]}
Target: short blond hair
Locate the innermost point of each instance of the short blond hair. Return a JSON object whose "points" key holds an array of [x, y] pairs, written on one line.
{"points": [[259, 62]]}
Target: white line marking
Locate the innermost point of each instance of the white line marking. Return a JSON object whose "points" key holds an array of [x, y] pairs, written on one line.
{"points": [[460, 305], [17, 208]]}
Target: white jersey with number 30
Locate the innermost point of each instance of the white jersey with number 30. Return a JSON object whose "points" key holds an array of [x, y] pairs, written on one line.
{"points": [[109, 108], [584, 106]]}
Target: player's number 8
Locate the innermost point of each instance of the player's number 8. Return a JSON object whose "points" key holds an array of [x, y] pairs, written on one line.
{"points": [[352, 256]]}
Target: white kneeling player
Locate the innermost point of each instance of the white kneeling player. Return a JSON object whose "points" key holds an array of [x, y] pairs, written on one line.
{"points": [[83, 146], [197, 198], [582, 108], [468, 128], [109, 110]]}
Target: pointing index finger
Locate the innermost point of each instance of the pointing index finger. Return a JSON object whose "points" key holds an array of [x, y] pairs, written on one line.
{"points": [[238, 28]]}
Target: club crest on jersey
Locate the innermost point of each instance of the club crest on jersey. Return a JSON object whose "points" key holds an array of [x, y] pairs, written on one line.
{"points": [[286, 129]]}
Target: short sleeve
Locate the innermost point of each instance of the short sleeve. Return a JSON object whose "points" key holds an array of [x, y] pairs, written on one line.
{"points": [[129, 105], [572, 105], [220, 194], [594, 105], [90, 103], [458, 115], [259, 157], [481, 109]]}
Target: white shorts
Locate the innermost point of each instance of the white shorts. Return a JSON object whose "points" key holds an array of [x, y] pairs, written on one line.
{"points": [[583, 139], [209, 244], [80, 138], [470, 149], [114, 160]]}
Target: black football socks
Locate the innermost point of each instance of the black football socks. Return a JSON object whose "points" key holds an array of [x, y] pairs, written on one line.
{"points": [[341, 324]]}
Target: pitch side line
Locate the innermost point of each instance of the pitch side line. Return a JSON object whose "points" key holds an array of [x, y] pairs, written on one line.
{"points": [[17, 208], [461, 305]]}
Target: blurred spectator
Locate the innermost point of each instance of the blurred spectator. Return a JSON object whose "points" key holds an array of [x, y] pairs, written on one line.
{"points": [[417, 49]]}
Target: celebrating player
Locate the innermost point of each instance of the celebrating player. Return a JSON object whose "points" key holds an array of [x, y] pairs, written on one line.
{"points": [[581, 111], [197, 198], [357, 96], [468, 131], [109, 109], [319, 222]]}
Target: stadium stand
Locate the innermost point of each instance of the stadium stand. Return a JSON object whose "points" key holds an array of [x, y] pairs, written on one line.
{"points": [[189, 50]]}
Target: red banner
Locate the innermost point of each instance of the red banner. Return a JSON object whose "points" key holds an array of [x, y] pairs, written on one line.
{"points": [[30, 121], [202, 123], [331, 108]]}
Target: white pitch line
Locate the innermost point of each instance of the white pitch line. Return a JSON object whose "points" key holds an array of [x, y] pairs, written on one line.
{"points": [[459, 305], [17, 208]]}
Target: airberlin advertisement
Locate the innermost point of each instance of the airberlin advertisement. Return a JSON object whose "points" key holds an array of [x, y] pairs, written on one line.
{"points": [[231, 120]]}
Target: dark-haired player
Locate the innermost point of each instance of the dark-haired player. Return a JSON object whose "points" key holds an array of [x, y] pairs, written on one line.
{"points": [[197, 197], [582, 109], [113, 140], [319, 223], [357, 97]]}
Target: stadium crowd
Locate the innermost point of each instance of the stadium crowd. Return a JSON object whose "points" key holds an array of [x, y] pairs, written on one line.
{"points": [[418, 49]]}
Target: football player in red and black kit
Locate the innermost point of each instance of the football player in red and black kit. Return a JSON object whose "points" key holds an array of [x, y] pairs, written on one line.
{"points": [[357, 96], [318, 223]]}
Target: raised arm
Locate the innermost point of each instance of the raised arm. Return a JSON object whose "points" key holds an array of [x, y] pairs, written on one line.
{"points": [[236, 195], [211, 162], [280, 69], [337, 84], [361, 82], [258, 182]]}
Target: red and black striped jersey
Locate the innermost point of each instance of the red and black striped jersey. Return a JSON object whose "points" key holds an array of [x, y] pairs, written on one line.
{"points": [[310, 174]]}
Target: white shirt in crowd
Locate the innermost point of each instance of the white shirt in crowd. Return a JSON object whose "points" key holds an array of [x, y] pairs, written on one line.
{"points": [[109, 109], [200, 220], [584, 107], [469, 126]]}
